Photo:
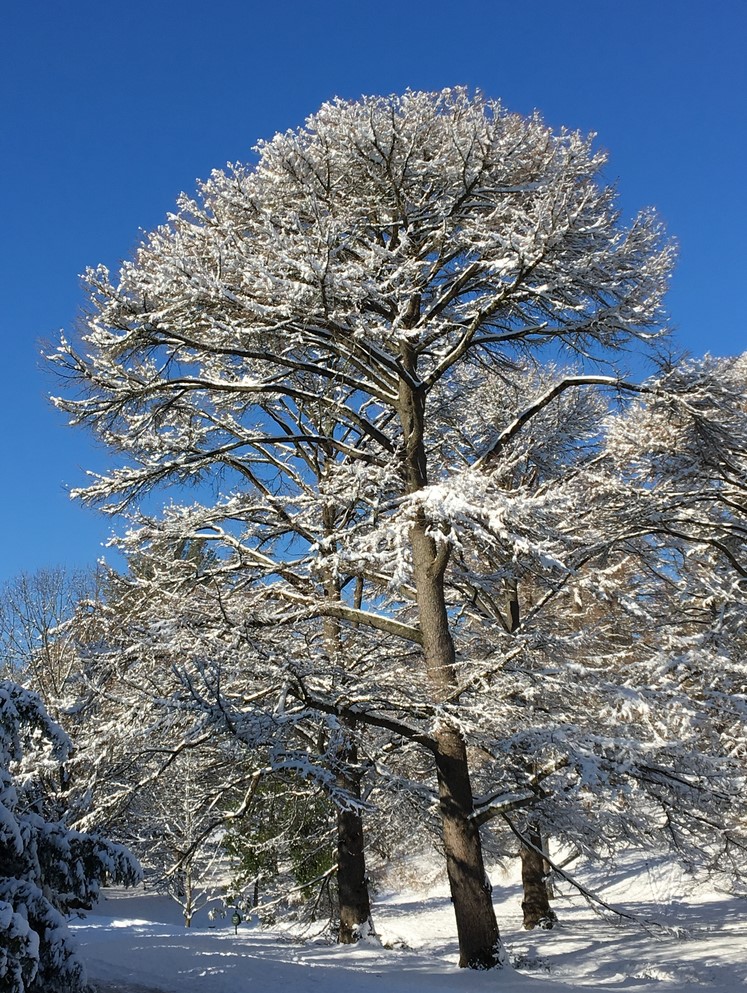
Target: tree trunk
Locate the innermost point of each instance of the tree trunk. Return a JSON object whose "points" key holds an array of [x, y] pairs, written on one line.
{"points": [[547, 868], [536, 904], [189, 907], [536, 897], [477, 929], [352, 882]]}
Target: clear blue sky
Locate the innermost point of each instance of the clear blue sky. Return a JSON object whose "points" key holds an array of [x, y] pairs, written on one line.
{"points": [[110, 109]]}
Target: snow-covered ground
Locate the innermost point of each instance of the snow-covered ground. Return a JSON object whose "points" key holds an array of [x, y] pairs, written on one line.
{"points": [[136, 943]]}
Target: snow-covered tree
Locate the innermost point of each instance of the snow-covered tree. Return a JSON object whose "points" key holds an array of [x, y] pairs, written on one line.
{"points": [[620, 704], [46, 869], [36, 647], [175, 825], [172, 752], [298, 332], [283, 854]]}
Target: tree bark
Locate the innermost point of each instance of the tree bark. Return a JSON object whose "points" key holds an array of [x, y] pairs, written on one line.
{"points": [[477, 929], [352, 881], [536, 903], [189, 908], [536, 897]]}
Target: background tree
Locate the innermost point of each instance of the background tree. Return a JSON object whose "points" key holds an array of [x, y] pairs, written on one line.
{"points": [[36, 646], [174, 821], [629, 743], [283, 854], [172, 756]]}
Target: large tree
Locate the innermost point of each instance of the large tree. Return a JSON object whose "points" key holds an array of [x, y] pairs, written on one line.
{"points": [[299, 331]]}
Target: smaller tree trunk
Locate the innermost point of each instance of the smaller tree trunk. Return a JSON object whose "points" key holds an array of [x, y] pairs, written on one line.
{"points": [[536, 904], [352, 881], [547, 869], [355, 909], [189, 907]]}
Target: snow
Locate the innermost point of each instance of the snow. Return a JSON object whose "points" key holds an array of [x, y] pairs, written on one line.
{"points": [[135, 943]]}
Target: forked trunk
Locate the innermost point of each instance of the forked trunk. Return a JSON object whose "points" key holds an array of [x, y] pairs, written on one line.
{"points": [[477, 929], [189, 907]]}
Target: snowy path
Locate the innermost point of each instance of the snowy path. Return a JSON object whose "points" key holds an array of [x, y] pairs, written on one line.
{"points": [[119, 988], [137, 945]]}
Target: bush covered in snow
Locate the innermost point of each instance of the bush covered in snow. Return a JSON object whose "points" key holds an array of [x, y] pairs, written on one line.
{"points": [[46, 869]]}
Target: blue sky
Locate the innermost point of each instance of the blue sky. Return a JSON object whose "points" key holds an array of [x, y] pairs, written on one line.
{"points": [[109, 110]]}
